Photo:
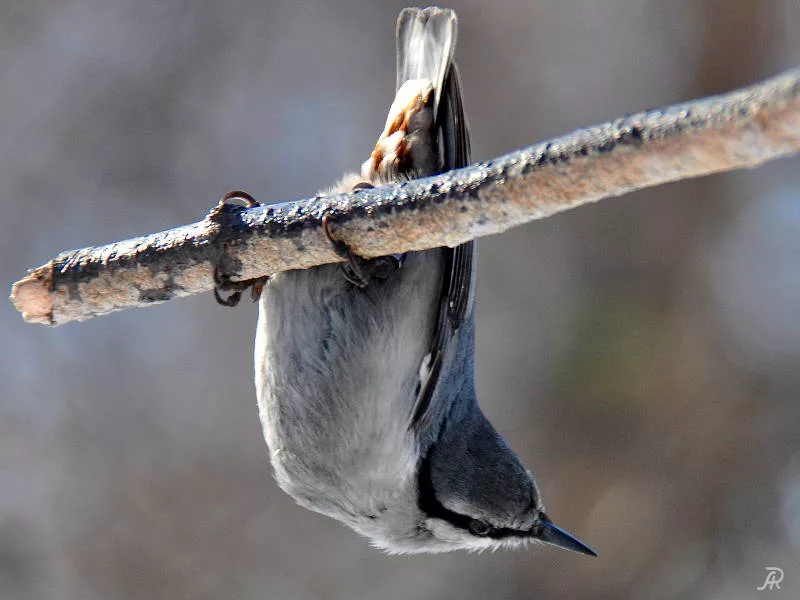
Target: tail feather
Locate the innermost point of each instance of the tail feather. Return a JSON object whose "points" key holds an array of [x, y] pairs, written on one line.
{"points": [[426, 39]]}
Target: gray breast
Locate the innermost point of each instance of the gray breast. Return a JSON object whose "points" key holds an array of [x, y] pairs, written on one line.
{"points": [[337, 370]]}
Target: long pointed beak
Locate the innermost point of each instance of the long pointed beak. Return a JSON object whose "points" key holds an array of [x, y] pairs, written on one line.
{"points": [[549, 532]]}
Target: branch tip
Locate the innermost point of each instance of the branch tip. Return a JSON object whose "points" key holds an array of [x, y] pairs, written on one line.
{"points": [[32, 295]]}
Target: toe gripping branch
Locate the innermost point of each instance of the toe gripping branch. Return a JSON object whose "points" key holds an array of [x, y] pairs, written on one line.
{"points": [[222, 280], [357, 270]]}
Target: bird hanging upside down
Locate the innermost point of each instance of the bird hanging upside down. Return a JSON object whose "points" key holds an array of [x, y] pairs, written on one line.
{"points": [[364, 371]]}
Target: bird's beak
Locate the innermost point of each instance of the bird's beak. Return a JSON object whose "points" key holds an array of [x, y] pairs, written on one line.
{"points": [[547, 531]]}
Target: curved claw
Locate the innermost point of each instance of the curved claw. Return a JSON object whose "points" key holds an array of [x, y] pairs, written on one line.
{"points": [[222, 281], [231, 300], [243, 196], [358, 270], [352, 269]]}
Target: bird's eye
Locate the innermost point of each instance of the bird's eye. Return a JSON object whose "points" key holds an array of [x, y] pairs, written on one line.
{"points": [[479, 528]]}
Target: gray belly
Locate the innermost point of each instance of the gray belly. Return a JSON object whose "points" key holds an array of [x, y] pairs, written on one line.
{"points": [[337, 370]]}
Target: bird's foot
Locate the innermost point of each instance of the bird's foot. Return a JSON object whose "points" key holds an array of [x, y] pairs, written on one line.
{"points": [[222, 280], [358, 270]]}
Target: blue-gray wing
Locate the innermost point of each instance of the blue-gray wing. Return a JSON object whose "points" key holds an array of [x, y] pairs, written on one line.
{"points": [[426, 41], [456, 296]]}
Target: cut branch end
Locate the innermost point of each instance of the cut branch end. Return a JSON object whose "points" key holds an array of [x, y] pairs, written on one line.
{"points": [[32, 295]]}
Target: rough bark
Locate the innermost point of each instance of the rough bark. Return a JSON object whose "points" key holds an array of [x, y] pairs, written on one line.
{"points": [[741, 129]]}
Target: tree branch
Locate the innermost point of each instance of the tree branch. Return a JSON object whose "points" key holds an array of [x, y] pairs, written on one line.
{"points": [[744, 128]]}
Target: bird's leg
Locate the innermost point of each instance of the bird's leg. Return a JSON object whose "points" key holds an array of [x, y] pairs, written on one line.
{"points": [[358, 270], [351, 270], [222, 280]]}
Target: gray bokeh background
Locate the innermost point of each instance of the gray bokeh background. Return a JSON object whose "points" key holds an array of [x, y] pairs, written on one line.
{"points": [[642, 355]]}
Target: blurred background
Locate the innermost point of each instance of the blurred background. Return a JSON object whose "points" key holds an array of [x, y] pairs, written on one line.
{"points": [[642, 355]]}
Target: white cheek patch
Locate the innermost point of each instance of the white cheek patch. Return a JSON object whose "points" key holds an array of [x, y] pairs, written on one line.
{"points": [[453, 538]]}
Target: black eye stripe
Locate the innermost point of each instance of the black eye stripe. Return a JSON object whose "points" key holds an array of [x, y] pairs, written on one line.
{"points": [[430, 505]]}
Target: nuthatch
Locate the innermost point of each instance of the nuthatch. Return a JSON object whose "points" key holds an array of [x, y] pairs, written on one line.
{"points": [[365, 381]]}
